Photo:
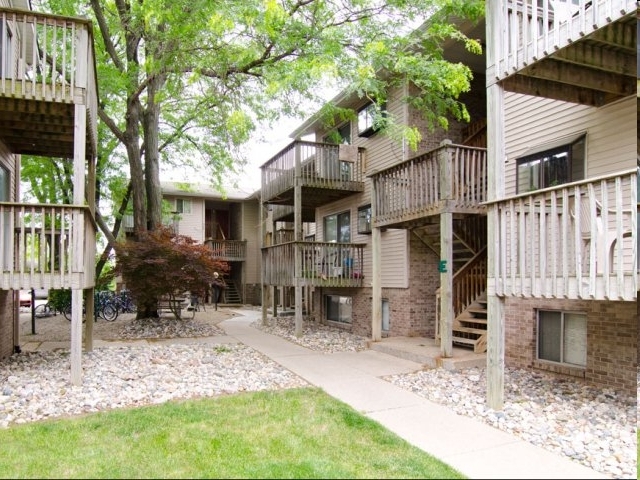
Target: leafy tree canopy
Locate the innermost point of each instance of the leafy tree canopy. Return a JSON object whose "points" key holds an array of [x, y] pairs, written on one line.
{"points": [[188, 82]]}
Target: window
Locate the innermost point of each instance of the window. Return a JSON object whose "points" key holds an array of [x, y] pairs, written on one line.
{"points": [[5, 196], [338, 308], [6, 50], [552, 166], [337, 228], [364, 219], [341, 135], [183, 205], [562, 337], [368, 124]]}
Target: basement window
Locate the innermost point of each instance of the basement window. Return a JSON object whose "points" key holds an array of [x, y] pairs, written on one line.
{"points": [[338, 308], [562, 338]]}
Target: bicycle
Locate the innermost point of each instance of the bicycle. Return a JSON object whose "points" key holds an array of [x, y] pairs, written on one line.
{"points": [[45, 310], [102, 307], [124, 302]]}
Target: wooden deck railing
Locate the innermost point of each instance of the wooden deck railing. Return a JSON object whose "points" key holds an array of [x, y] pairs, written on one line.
{"points": [[449, 177], [322, 264], [49, 58], [578, 240], [228, 250], [46, 246], [537, 32], [319, 165]]}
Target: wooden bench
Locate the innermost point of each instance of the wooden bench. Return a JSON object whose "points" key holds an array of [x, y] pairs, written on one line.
{"points": [[178, 305]]}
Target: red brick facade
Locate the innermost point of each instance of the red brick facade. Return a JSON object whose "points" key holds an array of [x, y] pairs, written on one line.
{"points": [[7, 324], [411, 310], [612, 340]]}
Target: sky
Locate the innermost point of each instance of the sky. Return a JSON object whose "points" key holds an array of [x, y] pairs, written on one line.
{"points": [[259, 150], [264, 145]]}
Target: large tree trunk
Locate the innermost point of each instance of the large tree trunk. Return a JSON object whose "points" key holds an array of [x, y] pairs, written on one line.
{"points": [[135, 167], [151, 154]]}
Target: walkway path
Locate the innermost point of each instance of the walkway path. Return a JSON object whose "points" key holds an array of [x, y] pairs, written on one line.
{"points": [[472, 447]]}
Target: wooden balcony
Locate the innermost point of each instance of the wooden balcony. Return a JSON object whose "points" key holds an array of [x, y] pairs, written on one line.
{"points": [[451, 178], [576, 241], [286, 213], [47, 71], [228, 250], [320, 264], [325, 172], [46, 246], [584, 53]]}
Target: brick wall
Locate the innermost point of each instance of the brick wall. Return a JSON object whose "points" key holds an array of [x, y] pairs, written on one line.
{"points": [[612, 340], [253, 294], [6, 323], [476, 102], [411, 310]]}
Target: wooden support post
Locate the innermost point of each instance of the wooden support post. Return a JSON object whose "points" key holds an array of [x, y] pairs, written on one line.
{"points": [[446, 253], [496, 35], [76, 336], [376, 280], [446, 285], [297, 237], [90, 308], [376, 286], [265, 305], [79, 263]]}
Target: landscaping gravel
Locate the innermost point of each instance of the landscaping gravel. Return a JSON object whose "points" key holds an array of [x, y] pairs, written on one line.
{"points": [[596, 427]]}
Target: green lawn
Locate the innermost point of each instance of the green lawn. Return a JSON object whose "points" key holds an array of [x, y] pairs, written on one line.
{"points": [[301, 433]]}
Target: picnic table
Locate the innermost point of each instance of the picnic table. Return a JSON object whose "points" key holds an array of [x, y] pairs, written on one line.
{"points": [[179, 305]]}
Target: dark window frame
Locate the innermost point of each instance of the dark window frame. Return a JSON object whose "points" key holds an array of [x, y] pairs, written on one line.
{"points": [[367, 115], [340, 136], [364, 219], [551, 167], [339, 235], [329, 311]]}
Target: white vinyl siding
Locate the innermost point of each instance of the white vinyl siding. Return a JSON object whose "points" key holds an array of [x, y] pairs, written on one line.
{"points": [[251, 233], [381, 152], [533, 121], [191, 224], [7, 194]]}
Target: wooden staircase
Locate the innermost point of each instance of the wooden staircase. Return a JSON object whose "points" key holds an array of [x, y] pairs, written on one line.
{"points": [[470, 327], [430, 236], [231, 294]]}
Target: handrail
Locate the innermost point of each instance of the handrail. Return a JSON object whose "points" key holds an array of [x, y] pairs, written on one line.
{"points": [[450, 176], [320, 263], [556, 242], [49, 246], [320, 165]]}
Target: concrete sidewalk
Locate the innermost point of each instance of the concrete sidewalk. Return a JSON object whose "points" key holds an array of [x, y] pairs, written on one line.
{"points": [[474, 448]]}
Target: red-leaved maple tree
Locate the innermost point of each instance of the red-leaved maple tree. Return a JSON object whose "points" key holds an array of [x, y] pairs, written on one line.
{"points": [[161, 263]]}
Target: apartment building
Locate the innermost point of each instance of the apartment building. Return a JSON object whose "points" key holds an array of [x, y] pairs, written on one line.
{"points": [[516, 234], [563, 186], [228, 222], [365, 232], [48, 107]]}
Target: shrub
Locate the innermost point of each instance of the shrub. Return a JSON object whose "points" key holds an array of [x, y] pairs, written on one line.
{"points": [[160, 263]]}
